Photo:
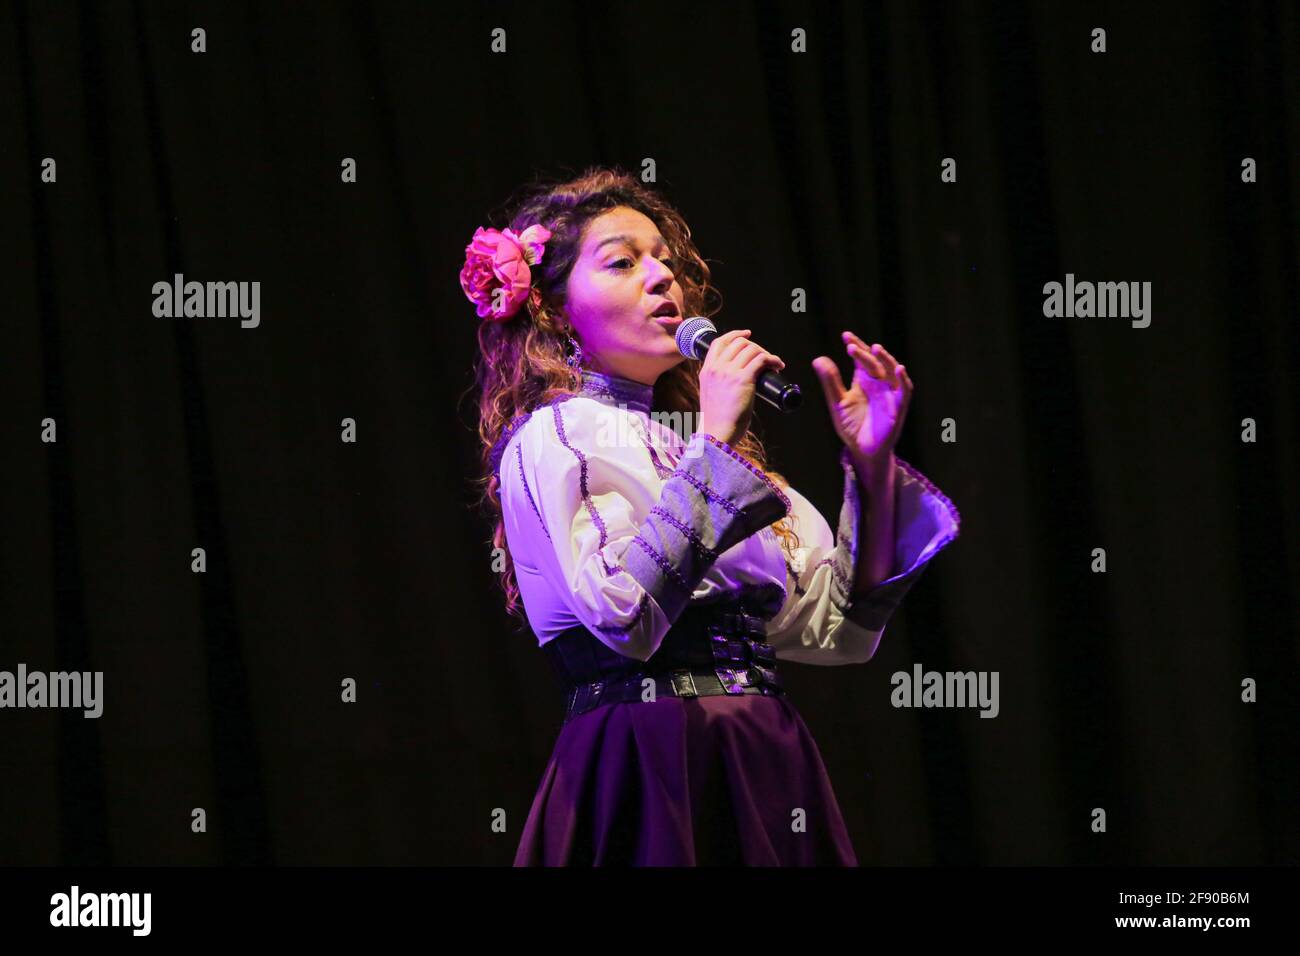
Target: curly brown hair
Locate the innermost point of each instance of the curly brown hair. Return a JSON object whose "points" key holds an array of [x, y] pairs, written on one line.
{"points": [[522, 361]]}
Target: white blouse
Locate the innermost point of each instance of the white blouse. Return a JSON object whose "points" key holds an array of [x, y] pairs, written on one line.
{"points": [[614, 522]]}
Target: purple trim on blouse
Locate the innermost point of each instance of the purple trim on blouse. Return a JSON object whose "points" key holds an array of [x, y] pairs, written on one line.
{"points": [[663, 470], [519, 456], [596, 519], [625, 391], [853, 493], [748, 464], [591, 384], [704, 551], [507, 433], [669, 571], [626, 629], [952, 508], [707, 492], [660, 469]]}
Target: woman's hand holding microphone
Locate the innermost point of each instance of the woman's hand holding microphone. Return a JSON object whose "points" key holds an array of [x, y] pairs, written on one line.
{"points": [[727, 382]]}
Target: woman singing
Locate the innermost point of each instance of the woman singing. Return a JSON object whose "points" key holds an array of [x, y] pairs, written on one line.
{"points": [[666, 575]]}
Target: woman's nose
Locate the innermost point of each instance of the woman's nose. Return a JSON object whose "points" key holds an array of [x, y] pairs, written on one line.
{"points": [[662, 278]]}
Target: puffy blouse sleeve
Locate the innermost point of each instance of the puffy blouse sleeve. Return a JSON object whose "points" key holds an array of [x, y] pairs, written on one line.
{"points": [[622, 553], [820, 623]]}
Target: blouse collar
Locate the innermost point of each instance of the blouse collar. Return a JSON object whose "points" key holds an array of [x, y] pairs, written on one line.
{"points": [[616, 390]]}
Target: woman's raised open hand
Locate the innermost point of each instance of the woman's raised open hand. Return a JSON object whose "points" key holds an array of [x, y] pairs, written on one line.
{"points": [[867, 416]]}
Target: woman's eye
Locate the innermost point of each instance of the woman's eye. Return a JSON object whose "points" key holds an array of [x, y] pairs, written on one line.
{"points": [[617, 263]]}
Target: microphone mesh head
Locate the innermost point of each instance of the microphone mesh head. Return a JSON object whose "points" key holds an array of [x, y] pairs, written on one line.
{"points": [[689, 330]]}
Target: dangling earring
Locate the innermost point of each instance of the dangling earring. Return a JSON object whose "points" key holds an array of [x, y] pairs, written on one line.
{"points": [[574, 357]]}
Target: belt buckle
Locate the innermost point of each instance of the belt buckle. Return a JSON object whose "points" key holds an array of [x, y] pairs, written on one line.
{"points": [[586, 697], [734, 679], [683, 682]]}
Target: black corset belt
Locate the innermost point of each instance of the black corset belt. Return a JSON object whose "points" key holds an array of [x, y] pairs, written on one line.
{"points": [[710, 650]]}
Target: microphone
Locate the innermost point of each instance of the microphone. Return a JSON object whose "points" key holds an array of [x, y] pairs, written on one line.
{"points": [[693, 338]]}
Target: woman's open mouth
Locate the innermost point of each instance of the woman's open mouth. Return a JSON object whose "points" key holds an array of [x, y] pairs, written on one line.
{"points": [[667, 316]]}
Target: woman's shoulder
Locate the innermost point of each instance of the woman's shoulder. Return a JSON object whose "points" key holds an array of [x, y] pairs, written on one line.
{"points": [[572, 420]]}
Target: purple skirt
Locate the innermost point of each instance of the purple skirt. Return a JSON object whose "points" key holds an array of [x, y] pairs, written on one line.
{"points": [[702, 781]]}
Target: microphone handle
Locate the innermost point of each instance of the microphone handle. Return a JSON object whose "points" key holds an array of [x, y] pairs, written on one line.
{"points": [[770, 387]]}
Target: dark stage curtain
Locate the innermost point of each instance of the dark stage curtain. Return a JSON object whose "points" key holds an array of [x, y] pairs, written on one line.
{"points": [[821, 170]]}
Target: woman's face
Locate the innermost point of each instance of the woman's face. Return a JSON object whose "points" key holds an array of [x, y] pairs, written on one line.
{"points": [[623, 274]]}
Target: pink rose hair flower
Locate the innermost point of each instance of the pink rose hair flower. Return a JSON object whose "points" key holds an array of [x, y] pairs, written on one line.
{"points": [[500, 260]]}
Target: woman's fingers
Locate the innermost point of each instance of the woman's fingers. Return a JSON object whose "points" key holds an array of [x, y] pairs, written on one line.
{"points": [[877, 359], [861, 353], [762, 357], [727, 343], [743, 352], [891, 363], [828, 373], [874, 366], [735, 348], [853, 337]]}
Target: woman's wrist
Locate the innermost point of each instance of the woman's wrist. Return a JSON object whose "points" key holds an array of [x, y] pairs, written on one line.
{"points": [[717, 431], [873, 472]]}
